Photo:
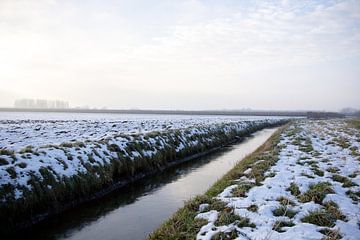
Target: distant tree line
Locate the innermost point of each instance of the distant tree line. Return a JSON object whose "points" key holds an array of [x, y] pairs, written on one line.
{"points": [[352, 112], [324, 115]]}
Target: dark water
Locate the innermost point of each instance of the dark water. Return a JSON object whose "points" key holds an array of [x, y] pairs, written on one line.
{"points": [[135, 211]]}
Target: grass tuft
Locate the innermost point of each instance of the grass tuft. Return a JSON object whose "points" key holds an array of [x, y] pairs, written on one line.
{"points": [[284, 211], [12, 172], [278, 226], [294, 189], [253, 208], [318, 172], [355, 196], [330, 234], [242, 189], [3, 162], [5, 151], [227, 217], [22, 165], [320, 218], [325, 217], [225, 235], [285, 201], [332, 208], [307, 175], [344, 180], [333, 169], [316, 192], [27, 149]]}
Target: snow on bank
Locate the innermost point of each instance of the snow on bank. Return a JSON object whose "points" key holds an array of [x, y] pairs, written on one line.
{"points": [[19, 166], [19, 130], [312, 191]]}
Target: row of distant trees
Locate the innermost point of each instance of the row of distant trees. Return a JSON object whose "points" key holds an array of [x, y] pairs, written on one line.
{"points": [[41, 103], [346, 112], [351, 112]]}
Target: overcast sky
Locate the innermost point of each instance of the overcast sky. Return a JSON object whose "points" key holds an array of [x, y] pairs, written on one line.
{"points": [[185, 54]]}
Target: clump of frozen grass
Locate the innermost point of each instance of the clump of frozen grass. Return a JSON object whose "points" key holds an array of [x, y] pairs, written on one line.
{"points": [[353, 175], [344, 180], [5, 151], [320, 218], [271, 174], [330, 234], [294, 189], [253, 208], [227, 217], [307, 175], [342, 142], [27, 149], [316, 192], [332, 208], [75, 144], [333, 169], [316, 170], [22, 164], [354, 195], [354, 151], [284, 211], [326, 216], [242, 189], [307, 146], [217, 205], [3, 162], [278, 225], [225, 235], [12, 172], [285, 201]]}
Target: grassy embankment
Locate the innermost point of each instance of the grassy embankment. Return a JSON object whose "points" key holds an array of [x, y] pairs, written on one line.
{"points": [[51, 193], [183, 225]]}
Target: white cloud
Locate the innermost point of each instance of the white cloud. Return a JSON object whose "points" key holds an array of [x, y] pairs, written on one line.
{"points": [[193, 49]]}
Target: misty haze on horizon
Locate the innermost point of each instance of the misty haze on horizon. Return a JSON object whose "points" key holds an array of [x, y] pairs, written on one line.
{"points": [[184, 55]]}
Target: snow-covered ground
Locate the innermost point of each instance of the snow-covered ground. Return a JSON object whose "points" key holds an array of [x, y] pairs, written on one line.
{"points": [[312, 192], [18, 130], [63, 148]]}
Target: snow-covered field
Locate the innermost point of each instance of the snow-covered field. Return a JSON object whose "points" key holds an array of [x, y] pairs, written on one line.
{"points": [[312, 192], [19, 130], [36, 151]]}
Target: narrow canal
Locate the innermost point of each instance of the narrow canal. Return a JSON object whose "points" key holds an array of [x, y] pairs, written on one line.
{"points": [[136, 210]]}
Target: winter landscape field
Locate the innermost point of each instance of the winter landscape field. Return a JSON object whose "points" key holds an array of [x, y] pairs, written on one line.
{"points": [[302, 183], [180, 120]]}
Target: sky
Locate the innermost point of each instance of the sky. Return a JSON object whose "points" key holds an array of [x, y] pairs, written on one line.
{"points": [[182, 54]]}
